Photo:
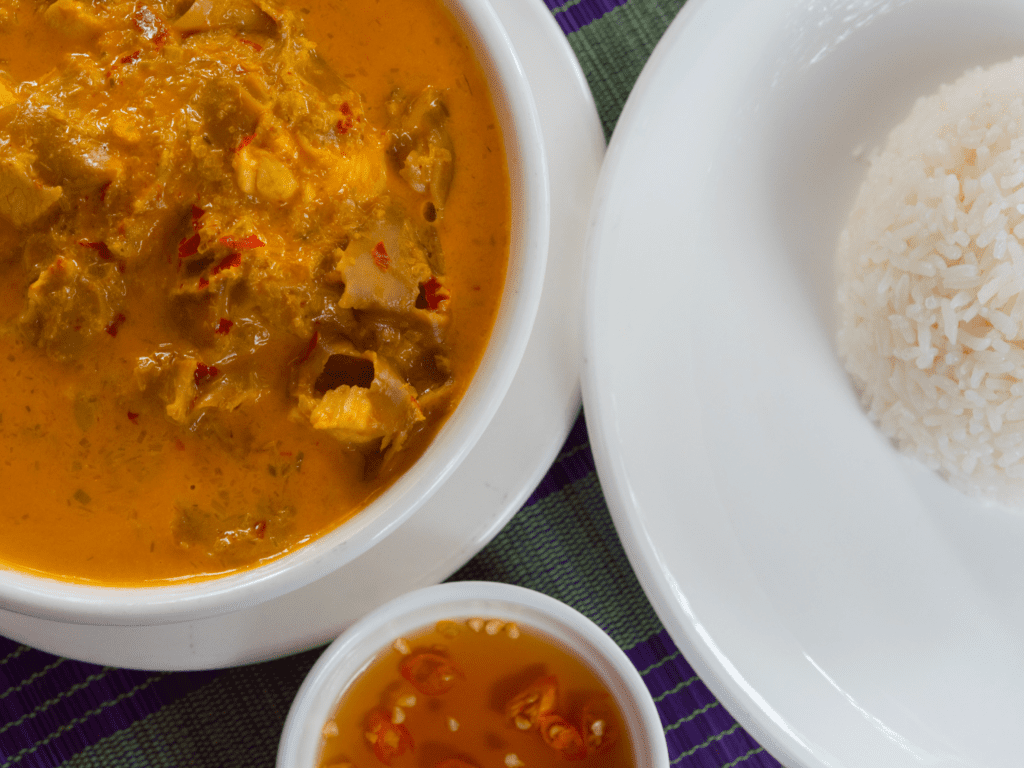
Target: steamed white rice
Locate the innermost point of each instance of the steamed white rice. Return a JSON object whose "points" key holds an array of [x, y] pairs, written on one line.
{"points": [[931, 283]]}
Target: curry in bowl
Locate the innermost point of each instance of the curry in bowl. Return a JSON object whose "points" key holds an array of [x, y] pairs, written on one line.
{"points": [[251, 254]]}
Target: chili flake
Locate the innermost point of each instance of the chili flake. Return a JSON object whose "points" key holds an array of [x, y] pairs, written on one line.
{"points": [[380, 257], [224, 326], [115, 326], [247, 243], [251, 43], [188, 247], [197, 214], [204, 373], [131, 57], [313, 340], [101, 249], [229, 261], [431, 293], [133, 417], [245, 142]]}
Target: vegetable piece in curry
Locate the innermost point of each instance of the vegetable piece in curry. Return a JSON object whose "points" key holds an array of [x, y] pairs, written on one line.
{"points": [[245, 276]]}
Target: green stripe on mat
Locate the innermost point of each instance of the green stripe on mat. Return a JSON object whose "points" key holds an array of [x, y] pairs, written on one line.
{"points": [[39, 709], [81, 719], [717, 737], [31, 678], [614, 49], [208, 726], [571, 536], [14, 654]]}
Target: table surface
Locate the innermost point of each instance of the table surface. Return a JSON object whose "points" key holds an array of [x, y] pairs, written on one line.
{"points": [[60, 712]]}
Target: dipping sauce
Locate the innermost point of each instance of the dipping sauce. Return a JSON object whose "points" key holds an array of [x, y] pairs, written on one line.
{"points": [[473, 694]]}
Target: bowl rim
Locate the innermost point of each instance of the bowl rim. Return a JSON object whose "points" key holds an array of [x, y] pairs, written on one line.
{"points": [[355, 648], [49, 598]]}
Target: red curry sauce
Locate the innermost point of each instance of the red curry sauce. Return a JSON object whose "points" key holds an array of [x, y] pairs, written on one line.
{"points": [[232, 309]]}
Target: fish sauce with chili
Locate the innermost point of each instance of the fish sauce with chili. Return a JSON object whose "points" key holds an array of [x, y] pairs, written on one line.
{"points": [[473, 694]]}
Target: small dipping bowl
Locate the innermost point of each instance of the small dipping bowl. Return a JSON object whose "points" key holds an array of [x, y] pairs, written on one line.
{"points": [[348, 656]]}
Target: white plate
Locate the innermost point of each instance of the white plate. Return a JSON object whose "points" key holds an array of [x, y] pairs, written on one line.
{"points": [[848, 607], [490, 485]]}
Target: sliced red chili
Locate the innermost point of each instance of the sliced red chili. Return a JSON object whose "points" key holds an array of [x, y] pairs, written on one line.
{"points": [[246, 243], [537, 699], [559, 734], [389, 740], [188, 247], [204, 373], [430, 673], [229, 261], [224, 326], [115, 326], [380, 257]]}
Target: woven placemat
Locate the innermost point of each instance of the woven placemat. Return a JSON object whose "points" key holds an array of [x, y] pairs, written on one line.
{"points": [[59, 712]]}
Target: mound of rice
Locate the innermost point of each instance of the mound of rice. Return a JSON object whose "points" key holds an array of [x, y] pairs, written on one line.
{"points": [[931, 283]]}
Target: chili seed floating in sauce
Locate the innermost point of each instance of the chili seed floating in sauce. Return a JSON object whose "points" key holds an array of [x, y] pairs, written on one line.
{"points": [[490, 699]]}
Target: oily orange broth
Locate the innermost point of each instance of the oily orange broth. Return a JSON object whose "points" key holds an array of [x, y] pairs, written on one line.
{"points": [[413, 45], [495, 668], [95, 505]]}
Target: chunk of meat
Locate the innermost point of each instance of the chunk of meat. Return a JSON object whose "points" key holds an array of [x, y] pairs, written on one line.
{"points": [[70, 303], [354, 413], [274, 180], [420, 144], [206, 15], [384, 266], [23, 197], [67, 150], [233, 538], [73, 19], [180, 389]]}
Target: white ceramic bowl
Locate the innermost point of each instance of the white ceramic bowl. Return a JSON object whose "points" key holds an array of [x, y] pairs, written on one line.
{"points": [[346, 657], [51, 599]]}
